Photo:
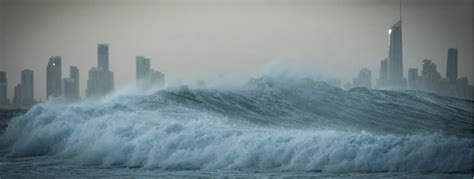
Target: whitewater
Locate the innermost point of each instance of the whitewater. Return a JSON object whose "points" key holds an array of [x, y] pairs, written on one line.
{"points": [[266, 125]]}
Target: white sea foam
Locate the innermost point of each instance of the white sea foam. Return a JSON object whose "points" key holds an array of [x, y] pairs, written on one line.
{"points": [[152, 131]]}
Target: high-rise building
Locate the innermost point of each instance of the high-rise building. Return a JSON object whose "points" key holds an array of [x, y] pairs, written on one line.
{"points": [[101, 80], [71, 84], [364, 79], [157, 78], [103, 56], [431, 78], [395, 56], [3, 88], [413, 78], [53, 77], [17, 98], [452, 65], [27, 88], [74, 75], [142, 68], [68, 88], [147, 77], [383, 80], [462, 86]]}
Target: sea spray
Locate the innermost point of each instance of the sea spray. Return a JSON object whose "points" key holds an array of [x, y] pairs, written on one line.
{"points": [[296, 125]]}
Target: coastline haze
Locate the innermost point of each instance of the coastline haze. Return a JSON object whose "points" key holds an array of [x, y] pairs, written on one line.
{"points": [[190, 40]]}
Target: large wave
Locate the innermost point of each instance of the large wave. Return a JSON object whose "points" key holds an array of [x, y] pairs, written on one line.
{"points": [[267, 124]]}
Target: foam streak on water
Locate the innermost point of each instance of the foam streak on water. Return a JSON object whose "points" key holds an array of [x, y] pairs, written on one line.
{"points": [[266, 126]]}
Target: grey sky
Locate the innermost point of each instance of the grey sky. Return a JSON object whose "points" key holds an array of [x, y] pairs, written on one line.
{"points": [[189, 40]]}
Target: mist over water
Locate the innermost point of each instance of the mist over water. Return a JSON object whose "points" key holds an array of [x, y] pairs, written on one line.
{"points": [[270, 123]]}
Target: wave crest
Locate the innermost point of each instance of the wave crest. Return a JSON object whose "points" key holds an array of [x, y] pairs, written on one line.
{"points": [[260, 127]]}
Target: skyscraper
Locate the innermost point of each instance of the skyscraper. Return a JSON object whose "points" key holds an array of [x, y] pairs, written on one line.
{"points": [[147, 77], [27, 87], [74, 75], [462, 87], [383, 80], [452, 65], [3, 88], [101, 80], [364, 79], [395, 56], [157, 78], [68, 88], [17, 98], [53, 77], [413, 78], [103, 56], [142, 68], [430, 76], [71, 84]]}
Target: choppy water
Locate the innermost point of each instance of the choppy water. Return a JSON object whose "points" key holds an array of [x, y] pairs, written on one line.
{"points": [[266, 128]]}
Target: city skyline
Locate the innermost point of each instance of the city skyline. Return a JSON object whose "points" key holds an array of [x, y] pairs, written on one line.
{"points": [[429, 80], [432, 40], [236, 88], [101, 81]]}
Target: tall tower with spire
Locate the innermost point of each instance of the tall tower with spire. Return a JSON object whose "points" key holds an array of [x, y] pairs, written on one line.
{"points": [[395, 54]]}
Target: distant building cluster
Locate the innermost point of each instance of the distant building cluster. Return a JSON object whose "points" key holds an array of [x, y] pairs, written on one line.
{"points": [[364, 79], [99, 83], [101, 79], [24, 92], [429, 80], [146, 77]]}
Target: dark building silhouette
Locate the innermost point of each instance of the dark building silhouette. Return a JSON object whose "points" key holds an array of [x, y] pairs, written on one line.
{"points": [[3, 88], [452, 66], [413, 79], [71, 84], [74, 75], [142, 68], [103, 56], [383, 80], [17, 97], [147, 77], [395, 56], [463, 90], [53, 77], [430, 76], [101, 80], [26, 89], [157, 78], [364, 79]]}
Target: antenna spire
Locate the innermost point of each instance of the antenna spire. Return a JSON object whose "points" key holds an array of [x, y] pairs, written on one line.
{"points": [[400, 11]]}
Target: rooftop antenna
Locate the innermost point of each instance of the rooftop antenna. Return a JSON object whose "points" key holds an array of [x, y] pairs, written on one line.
{"points": [[400, 11]]}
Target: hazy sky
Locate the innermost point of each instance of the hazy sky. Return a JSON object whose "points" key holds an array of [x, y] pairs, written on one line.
{"points": [[190, 40]]}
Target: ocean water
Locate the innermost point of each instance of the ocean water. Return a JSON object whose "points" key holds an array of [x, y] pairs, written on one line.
{"points": [[267, 128]]}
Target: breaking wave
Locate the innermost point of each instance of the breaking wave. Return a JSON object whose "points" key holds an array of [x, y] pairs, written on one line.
{"points": [[267, 124]]}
